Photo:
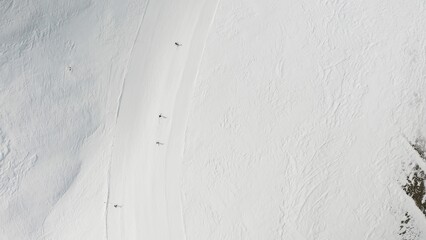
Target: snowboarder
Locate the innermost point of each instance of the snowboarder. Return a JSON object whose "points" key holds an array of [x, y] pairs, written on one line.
{"points": [[161, 116], [178, 44], [159, 143]]}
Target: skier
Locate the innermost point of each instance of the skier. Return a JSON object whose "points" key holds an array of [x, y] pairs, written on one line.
{"points": [[161, 116], [178, 44], [114, 205], [159, 143]]}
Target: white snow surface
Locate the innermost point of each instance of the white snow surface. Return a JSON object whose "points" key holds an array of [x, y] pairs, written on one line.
{"points": [[284, 119]]}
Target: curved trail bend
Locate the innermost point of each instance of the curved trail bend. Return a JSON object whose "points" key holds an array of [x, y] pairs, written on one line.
{"points": [[145, 178]]}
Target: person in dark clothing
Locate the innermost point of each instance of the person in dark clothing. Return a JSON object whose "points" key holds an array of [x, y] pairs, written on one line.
{"points": [[178, 44], [114, 205], [159, 143], [161, 116]]}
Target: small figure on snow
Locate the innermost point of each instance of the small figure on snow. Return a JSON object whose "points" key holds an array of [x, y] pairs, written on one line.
{"points": [[178, 44], [161, 116], [159, 143], [114, 205]]}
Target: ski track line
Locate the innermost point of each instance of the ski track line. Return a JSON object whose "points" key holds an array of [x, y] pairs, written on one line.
{"points": [[116, 118], [189, 109], [107, 199], [129, 59]]}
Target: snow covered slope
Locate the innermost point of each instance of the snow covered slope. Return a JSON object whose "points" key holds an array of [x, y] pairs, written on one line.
{"points": [[61, 66], [302, 122], [144, 176], [284, 119]]}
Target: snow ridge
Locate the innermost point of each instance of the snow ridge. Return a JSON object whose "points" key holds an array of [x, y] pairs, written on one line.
{"points": [[189, 110], [107, 205]]}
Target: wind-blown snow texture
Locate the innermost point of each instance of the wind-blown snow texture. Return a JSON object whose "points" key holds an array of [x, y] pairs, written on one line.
{"points": [[61, 68], [285, 119]]}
